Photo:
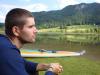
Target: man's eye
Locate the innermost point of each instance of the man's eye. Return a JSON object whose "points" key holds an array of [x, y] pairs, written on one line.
{"points": [[31, 26]]}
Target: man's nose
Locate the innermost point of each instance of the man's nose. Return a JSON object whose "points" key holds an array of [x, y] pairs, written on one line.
{"points": [[35, 30]]}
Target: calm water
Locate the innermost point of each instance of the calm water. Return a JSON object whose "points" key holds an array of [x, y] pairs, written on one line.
{"points": [[90, 43]]}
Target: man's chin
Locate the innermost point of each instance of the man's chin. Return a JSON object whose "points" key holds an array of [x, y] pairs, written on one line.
{"points": [[33, 40]]}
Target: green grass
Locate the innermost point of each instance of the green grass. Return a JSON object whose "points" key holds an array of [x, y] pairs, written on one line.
{"points": [[73, 29], [73, 65], [1, 31], [86, 29]]}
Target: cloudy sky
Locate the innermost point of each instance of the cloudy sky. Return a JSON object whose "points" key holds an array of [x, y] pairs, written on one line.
{"points": [[37, 5]]}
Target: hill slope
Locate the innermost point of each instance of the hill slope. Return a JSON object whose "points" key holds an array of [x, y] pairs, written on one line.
{"points": [[73, 14]]}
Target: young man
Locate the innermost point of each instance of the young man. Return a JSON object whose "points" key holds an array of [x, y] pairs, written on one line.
{"points": [[20, 29]]}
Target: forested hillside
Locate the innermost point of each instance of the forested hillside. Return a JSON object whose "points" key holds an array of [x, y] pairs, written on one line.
{"points": [[80, 14]]}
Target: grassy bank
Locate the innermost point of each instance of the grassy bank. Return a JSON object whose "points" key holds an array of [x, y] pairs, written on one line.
{"points": [[73, 65], [75, 29]]}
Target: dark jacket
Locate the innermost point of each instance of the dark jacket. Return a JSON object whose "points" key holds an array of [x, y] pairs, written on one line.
{"points": [[11, 62]]}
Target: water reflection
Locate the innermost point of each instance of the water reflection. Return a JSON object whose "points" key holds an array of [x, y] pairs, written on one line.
{"points": [[90, 39], [90, 43]]}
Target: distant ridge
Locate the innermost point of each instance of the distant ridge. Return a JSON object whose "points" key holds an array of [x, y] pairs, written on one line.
{"points": [[84, 13], [79, 14]]}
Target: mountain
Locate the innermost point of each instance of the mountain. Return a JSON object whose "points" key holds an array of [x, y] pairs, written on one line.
{"points": [[84, 13]]}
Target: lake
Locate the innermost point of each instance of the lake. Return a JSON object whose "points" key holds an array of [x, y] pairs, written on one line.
{"points": [[90, 43]]}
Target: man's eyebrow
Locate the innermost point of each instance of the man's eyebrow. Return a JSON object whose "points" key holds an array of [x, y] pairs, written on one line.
{"points": [[32, 25]]}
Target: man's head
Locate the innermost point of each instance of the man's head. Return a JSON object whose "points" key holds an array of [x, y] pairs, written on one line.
{"points": [[19, 23]]}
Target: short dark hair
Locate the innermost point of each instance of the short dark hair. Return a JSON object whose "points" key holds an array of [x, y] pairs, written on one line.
{"points": [[16, 17]]}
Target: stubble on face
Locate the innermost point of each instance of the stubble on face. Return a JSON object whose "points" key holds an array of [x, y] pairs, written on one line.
{"points": [[28, 33]]}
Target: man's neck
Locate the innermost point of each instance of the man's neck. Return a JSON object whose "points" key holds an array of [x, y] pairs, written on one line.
{"points": [[16, 42]]}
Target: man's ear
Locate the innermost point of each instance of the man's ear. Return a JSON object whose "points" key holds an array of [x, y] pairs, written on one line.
{"points": [[16, 30]]}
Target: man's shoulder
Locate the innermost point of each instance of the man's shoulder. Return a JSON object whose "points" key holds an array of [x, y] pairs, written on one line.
{"points": [[6, 46], [4, 41], [2, 35], [3, 38]]}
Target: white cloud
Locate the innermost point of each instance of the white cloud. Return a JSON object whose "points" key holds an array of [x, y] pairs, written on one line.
{"points": [[2, 18], [98, 1], [25, 0], [37, 7], [4, 8], [63, 3], [3, 11]]}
